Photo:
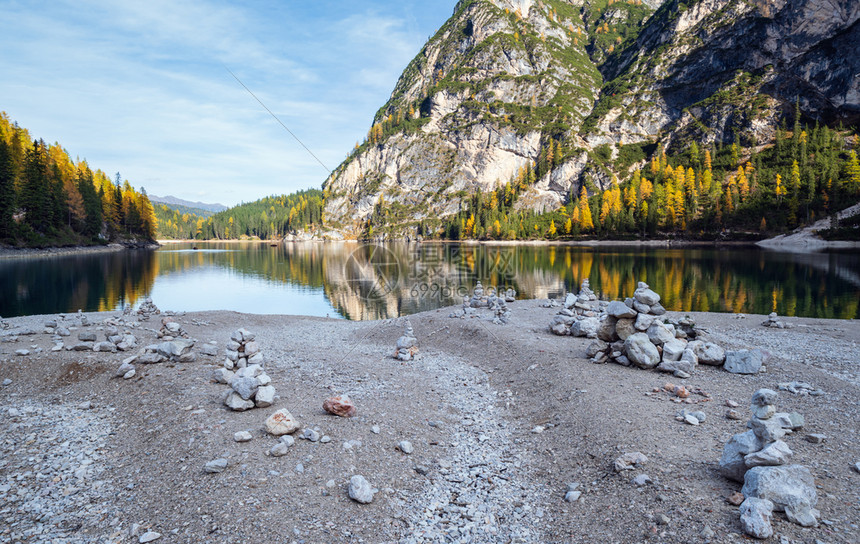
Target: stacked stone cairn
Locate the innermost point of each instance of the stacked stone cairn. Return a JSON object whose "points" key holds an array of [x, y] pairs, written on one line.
{"points": [[775, 322], [407, 345], [759, 458], [147, 309], [170, 329], [250, 386], [496, 302], [633, 333]]}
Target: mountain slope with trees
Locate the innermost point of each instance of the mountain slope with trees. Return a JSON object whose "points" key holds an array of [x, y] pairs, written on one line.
{"points": [[48, 199], [552, 97]]}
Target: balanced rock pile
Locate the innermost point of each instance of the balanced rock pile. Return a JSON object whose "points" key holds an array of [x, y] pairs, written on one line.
{"points": [[170, 329], [759, 458], [498, 303], [774, 321], [147, 309], [407, 345], [250, 386], [632, 333]]}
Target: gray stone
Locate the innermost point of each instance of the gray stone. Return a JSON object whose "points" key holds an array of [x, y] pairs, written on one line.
{"points": [[22, 352], [149, 536], [559, 329], [767, 430], [643, 321], [673, 349], [405, 446], [709, 353], [62, 331], [310, 435], [209, 350], [744, 361], [7, 382], [659, 334], [572, 496], [151, 358], [790, 488], [630, 460], [816, 438], [620, 310], [569, 300], [598, 346], [87, 336], [104, 347], [658, 309], [129, 375], [777, 453], [606, 329], [732, 465], [585, 327], [246, 387], [175, 348], [624, 328], [755, 517], [360, 490], [265, 396], [222, 375], [641, 308], [235, 402], [764, 397], [242, 436], [279, 450], [213, 467], [641, 352], [242, 336], [642, 480], [232, 356], [81, 346], [646, 296]]}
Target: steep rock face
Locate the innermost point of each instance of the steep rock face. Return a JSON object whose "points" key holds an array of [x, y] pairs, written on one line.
{"points": [[503, 79]]}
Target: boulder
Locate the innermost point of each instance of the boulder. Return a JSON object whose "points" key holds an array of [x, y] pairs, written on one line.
{"points": [[281, 422], [175, 348], [767, 430], [659, 334], [606, 329], [676, 366], [246, 387], [265, 396], [598, 346], [235, 402], [585, 327], [624, 327], [673, 349], [709, 353], [790, 488], [641, 308], [643, 321], [732, 463], [755, 517], [640, 351], [744, 361], [645, 295], [619, 310], [777, 453]]}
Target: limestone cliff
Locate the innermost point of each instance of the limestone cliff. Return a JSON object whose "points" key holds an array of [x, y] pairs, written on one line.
{"points": [[504, 81]]}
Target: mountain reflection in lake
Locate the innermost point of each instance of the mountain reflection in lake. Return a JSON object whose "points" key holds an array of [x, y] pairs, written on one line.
{"points": [[373, 281]]}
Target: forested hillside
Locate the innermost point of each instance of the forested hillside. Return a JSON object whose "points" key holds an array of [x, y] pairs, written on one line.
{"points": [[268, 218], [48, 199], [706, 191]]}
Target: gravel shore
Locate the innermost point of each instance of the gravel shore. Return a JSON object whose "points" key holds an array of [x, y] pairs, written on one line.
{"points": [[503, 419]]}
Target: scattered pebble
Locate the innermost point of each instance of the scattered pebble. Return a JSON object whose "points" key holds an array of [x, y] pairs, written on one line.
{"points": [[215, 466]]}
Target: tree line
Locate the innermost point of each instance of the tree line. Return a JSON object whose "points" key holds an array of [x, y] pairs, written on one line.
{"points": [[46, 198], [268, 218]]}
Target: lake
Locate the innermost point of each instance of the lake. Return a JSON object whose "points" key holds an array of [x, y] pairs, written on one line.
{"points": [[371, 281]]}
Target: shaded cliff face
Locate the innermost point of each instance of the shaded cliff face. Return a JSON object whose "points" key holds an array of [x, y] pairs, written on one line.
{"points": [[504, 80]]}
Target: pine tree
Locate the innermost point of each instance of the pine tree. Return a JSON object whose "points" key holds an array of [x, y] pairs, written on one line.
{"points": [[7, 191], [36, 190], [585, 211]]}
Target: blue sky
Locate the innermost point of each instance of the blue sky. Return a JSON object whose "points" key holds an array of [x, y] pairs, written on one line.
{"points": [[141, 88]]}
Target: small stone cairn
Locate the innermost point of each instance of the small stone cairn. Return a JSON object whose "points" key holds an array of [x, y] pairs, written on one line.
{"points": [[171, 329], [407, 345], [496, 302], [759, 458], [775, 322], [147, 309], [633, 333], [250, 386]]}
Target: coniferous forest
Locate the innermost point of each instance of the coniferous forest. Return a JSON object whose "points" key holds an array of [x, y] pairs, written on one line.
{"points": [[48, 199]]}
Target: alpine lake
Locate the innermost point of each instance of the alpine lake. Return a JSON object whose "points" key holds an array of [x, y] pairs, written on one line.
{"points": [[361, 281]]}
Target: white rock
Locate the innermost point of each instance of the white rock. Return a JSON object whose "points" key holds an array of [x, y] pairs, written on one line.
{"points": [[659, 333], [755, 517], [360, 490], [732, 463], [790, 488], [149, 536], [265, 396], [281, 423], [242, 436], [405, 446], [235, 402], [222, 375], [215, 466], [641, 352], [777, 453]]}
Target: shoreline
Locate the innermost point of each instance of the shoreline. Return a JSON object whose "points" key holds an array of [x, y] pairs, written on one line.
{"points": [[503, 417], [13, 253]]}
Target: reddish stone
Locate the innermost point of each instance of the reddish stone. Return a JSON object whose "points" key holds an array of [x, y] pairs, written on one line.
{"points": [[735, 499], [339, 406]]}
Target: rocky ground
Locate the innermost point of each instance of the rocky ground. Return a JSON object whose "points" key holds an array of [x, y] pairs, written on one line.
{"points": [[503, 419]]}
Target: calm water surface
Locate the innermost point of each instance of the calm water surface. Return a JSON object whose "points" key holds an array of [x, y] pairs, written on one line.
{"points": [[357, 281]]}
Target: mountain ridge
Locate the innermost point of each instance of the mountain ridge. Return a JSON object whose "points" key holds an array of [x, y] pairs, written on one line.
{"points": [[214, 208], [545, 84]]}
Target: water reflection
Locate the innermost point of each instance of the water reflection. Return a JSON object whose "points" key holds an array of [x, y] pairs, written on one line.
{"points": [[359, 281]]}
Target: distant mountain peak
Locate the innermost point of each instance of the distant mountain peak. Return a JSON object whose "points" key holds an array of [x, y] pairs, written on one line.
{"points": [[215, 208]]}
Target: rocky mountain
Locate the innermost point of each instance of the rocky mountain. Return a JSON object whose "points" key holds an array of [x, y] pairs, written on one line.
{"points": [[575, 92]]}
